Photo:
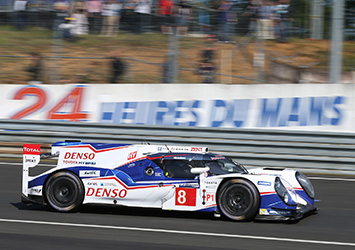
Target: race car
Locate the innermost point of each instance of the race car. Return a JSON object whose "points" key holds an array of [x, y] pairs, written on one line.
{"points": [[168, 177]]}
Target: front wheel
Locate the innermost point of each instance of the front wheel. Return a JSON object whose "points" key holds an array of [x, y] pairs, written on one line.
{"points": [[64, 192], [238, 200]]}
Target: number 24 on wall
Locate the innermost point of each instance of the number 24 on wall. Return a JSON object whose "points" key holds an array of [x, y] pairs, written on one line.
{"points": [[73, 100]]}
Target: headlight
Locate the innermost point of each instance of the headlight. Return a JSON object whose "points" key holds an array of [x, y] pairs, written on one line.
{"points": [[287, 196], [305, 184]]}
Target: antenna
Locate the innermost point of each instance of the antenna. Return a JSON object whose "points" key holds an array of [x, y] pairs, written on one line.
{"points": [[168, 148]]}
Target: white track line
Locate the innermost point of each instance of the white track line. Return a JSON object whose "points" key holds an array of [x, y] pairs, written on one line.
{"points": [[181, 232]]}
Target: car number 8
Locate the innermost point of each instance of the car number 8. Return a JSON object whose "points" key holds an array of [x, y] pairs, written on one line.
{"points": [[181, 197]]}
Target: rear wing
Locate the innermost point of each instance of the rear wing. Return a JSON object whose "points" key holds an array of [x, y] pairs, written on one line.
{"points": [[31, 158]]}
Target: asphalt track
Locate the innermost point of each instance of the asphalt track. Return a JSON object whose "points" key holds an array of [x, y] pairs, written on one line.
{"points": [[37, 227]]}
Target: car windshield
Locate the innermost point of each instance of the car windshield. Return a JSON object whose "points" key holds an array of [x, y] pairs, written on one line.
{"points": [[223, 166]]}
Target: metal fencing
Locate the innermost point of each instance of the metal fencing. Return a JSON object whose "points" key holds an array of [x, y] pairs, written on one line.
{"points": [[309, 151]]}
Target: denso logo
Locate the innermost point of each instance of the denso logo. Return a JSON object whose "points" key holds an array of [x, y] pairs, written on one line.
{"points": [[196, 149], [132, 155], [81, 156], [106, 192]]}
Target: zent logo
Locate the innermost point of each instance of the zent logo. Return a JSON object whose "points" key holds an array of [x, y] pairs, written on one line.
{"points": [[185, 197], [132, 155], [31, 149], [81, 156], [196, 149]]}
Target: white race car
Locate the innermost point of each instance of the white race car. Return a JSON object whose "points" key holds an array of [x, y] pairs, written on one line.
{"points": [[171, 178]]}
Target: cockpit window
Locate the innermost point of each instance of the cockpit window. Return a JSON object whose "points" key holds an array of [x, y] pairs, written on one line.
{"points": [[177, 168]]}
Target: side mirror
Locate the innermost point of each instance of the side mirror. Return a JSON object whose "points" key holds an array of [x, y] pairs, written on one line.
{"points": [[199, 170]]}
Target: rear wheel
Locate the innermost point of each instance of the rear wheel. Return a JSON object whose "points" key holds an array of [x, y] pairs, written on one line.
{"points": [[238, 200], [64, 192]]}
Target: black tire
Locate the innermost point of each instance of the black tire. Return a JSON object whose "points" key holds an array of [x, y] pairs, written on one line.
{"points": [[238, 200], [64, 192]]}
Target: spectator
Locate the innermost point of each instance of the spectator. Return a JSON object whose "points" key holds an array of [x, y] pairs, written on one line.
{"points": [[67, 29], [129, 14], [284, 12], [183, 15], [265, 18], [204, 16], [165, 11], [142, 13], [61, 7], [20, 7], [207, 71], [111, 18], [80, 22], [117, 66], [227, 17], [35, 69], [94, 8], [250, 14]]}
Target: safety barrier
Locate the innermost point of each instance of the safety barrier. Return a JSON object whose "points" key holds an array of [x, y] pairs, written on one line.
{"points": [[309, 151]]}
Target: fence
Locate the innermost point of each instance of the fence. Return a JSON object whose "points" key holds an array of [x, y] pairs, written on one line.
{"points": [[316, 152]]}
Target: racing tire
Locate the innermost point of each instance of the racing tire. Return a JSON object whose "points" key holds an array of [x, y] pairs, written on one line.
{"points": [[64, 192], [238, 200]]}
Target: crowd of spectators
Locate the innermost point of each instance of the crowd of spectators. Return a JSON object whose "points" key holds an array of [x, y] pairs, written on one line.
{"points": [[268, 19]]}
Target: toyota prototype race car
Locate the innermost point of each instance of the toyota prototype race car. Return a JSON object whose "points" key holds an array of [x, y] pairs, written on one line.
{"points": [[171, 178]]}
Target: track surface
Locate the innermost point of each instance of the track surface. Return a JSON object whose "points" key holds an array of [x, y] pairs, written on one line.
{"points": [[26, 226]]}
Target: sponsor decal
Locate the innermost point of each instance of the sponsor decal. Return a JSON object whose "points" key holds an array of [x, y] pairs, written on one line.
{"points": [[31, 149], [264, 183], [157, 174], [263, 211], [87, 163], [89, 173], [210, 197], [132, 155], [218, 158], [36, 190], [79, 156], [185, 197], [30, 160], [108, 184], [160, 149], [91, 183], [179, 158], [178, 149], [211, 187], [196, 149], [131, 165], [211, 182], [106, 192], [188, 185]]}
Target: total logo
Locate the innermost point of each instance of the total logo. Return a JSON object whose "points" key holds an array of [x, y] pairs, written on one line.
{"points": [[106, 192], [31, 149], [81, 156]]}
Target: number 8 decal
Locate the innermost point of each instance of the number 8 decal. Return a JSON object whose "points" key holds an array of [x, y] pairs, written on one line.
{"points": [[185, 197]]}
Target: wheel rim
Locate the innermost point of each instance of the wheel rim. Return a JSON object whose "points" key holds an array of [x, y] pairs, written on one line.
{"points": [[64, 192], [238, 200]]}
